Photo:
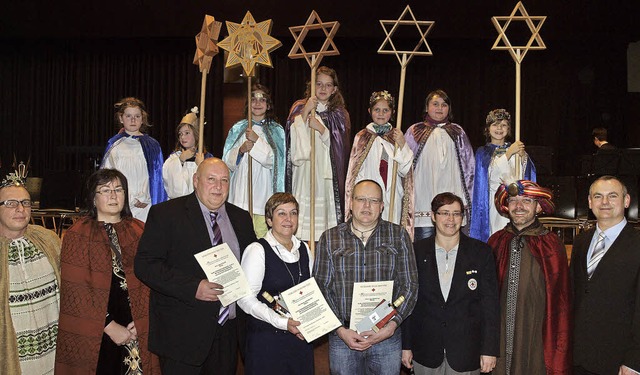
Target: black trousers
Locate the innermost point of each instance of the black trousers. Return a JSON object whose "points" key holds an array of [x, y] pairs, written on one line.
{"points": [[222, 358]]}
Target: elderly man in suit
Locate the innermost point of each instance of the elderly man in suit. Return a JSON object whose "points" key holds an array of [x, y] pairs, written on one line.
{"points": [[189, 329], [455, 326], [606, 278]]}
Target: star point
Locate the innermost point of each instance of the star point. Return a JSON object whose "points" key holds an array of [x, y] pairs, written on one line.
{"points": [[328, 46], [249, 43], [394, 26], [206, 40], [518, 51]]}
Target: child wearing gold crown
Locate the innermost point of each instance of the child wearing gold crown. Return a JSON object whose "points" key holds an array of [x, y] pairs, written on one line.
{"points": [[372, 156]]}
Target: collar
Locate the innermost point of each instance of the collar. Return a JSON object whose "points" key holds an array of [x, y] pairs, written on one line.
{"points": [[613, 232], [271, 240]]}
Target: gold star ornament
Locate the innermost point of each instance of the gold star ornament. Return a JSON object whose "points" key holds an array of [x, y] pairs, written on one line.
{"points": [[300, 33], [534, 23], [249, 43], [422, 47], [206, 41]]}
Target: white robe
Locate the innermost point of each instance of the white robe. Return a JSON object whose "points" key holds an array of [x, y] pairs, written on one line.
{"points": [[370, 170], [127, 157], [178, 177], [501, 170], [325, 205], [437, 171], [261, 169]]}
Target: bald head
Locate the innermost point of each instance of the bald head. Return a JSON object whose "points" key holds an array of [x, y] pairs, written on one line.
{"points": [[211, 183]]}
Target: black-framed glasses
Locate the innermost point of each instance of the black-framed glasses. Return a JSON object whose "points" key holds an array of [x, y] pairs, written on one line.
{"points": [[454, 214], [13, 203], [108, 192]]}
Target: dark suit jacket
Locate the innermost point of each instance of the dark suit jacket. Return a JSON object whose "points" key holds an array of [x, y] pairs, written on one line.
{"points": [[607, 307], [467, 325], [181, 327], [607, 147]]}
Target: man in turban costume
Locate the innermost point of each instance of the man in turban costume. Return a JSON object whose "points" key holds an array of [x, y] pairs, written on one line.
{"points": [[533, 277]]}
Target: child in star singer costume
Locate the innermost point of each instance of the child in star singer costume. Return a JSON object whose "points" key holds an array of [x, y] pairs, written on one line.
{"points": [[137, 156], [443, 161], [265, 143], [331, 128], [496, 165], [178, 169], [372, 157]]}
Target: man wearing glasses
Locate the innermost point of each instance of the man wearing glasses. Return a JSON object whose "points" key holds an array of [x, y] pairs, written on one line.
{"points": [[29, 285], [533, 279], [365, 248]]}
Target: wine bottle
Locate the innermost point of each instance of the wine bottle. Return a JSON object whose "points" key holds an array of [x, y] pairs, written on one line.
{"points": [[276, 305]]}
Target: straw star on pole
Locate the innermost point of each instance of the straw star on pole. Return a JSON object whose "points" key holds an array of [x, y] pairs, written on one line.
{"points": [[401, 21], [313, 59], [249, 43], [206, 48], [534, 23], [421, 49], [300, 33], [206, 40]]}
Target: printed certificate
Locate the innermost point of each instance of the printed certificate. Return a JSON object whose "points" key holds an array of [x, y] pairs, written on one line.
{"points": [[308, 306], [366, 296], [221, 266]]}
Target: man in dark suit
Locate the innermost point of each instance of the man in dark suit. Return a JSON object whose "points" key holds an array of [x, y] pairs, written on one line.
{"points": [[600, 140], [605, 267], [187, 326], [456, 322]]}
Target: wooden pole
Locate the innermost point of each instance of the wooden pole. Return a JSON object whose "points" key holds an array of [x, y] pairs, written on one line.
{"points": [[203, 93], [517, 135], [312, 197], [249, 161], [394, 170]]}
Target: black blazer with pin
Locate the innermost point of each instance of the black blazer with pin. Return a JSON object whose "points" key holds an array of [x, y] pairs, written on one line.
{"points": [[182, 327], [467, 324], [607, 307]]}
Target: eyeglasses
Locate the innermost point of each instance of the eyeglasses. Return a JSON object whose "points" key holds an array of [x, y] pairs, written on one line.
{"points": [[372, 201], [13, 203], [454, 214], [527, 201], [108, 192]]}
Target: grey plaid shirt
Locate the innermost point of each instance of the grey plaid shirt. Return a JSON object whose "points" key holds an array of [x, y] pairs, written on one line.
{"points": [[342, 259]]}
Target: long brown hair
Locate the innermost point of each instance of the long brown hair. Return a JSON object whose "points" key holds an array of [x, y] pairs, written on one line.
{"points": [[336, 100]]}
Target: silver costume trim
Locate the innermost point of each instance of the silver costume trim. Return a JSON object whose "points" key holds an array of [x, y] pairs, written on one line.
{"points": [[513, 280]]}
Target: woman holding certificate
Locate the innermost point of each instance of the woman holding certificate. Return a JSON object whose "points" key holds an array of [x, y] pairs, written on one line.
{"points": [[274, 264]]}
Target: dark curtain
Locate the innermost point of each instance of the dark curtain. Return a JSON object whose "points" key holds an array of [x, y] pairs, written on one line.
{"points": [[56, 96]]}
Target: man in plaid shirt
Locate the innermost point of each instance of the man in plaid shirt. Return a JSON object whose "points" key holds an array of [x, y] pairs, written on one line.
{"points": [[365, 248]]}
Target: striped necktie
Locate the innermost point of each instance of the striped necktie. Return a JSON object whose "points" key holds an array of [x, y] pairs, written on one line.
{"points": [[596, 256], [223, 316]]}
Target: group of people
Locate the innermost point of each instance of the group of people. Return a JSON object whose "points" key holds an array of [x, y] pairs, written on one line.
{"points": [[124, 294], [280, 159]]}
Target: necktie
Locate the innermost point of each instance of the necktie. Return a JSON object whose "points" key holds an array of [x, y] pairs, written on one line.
{"points": [[596, 256], [217, 235], [223, 316]]}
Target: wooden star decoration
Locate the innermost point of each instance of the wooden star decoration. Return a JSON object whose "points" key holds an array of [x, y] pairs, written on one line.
{"points": [[206, 40], [402, 21], [300, 32], [249, 43], [534, 23]]}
